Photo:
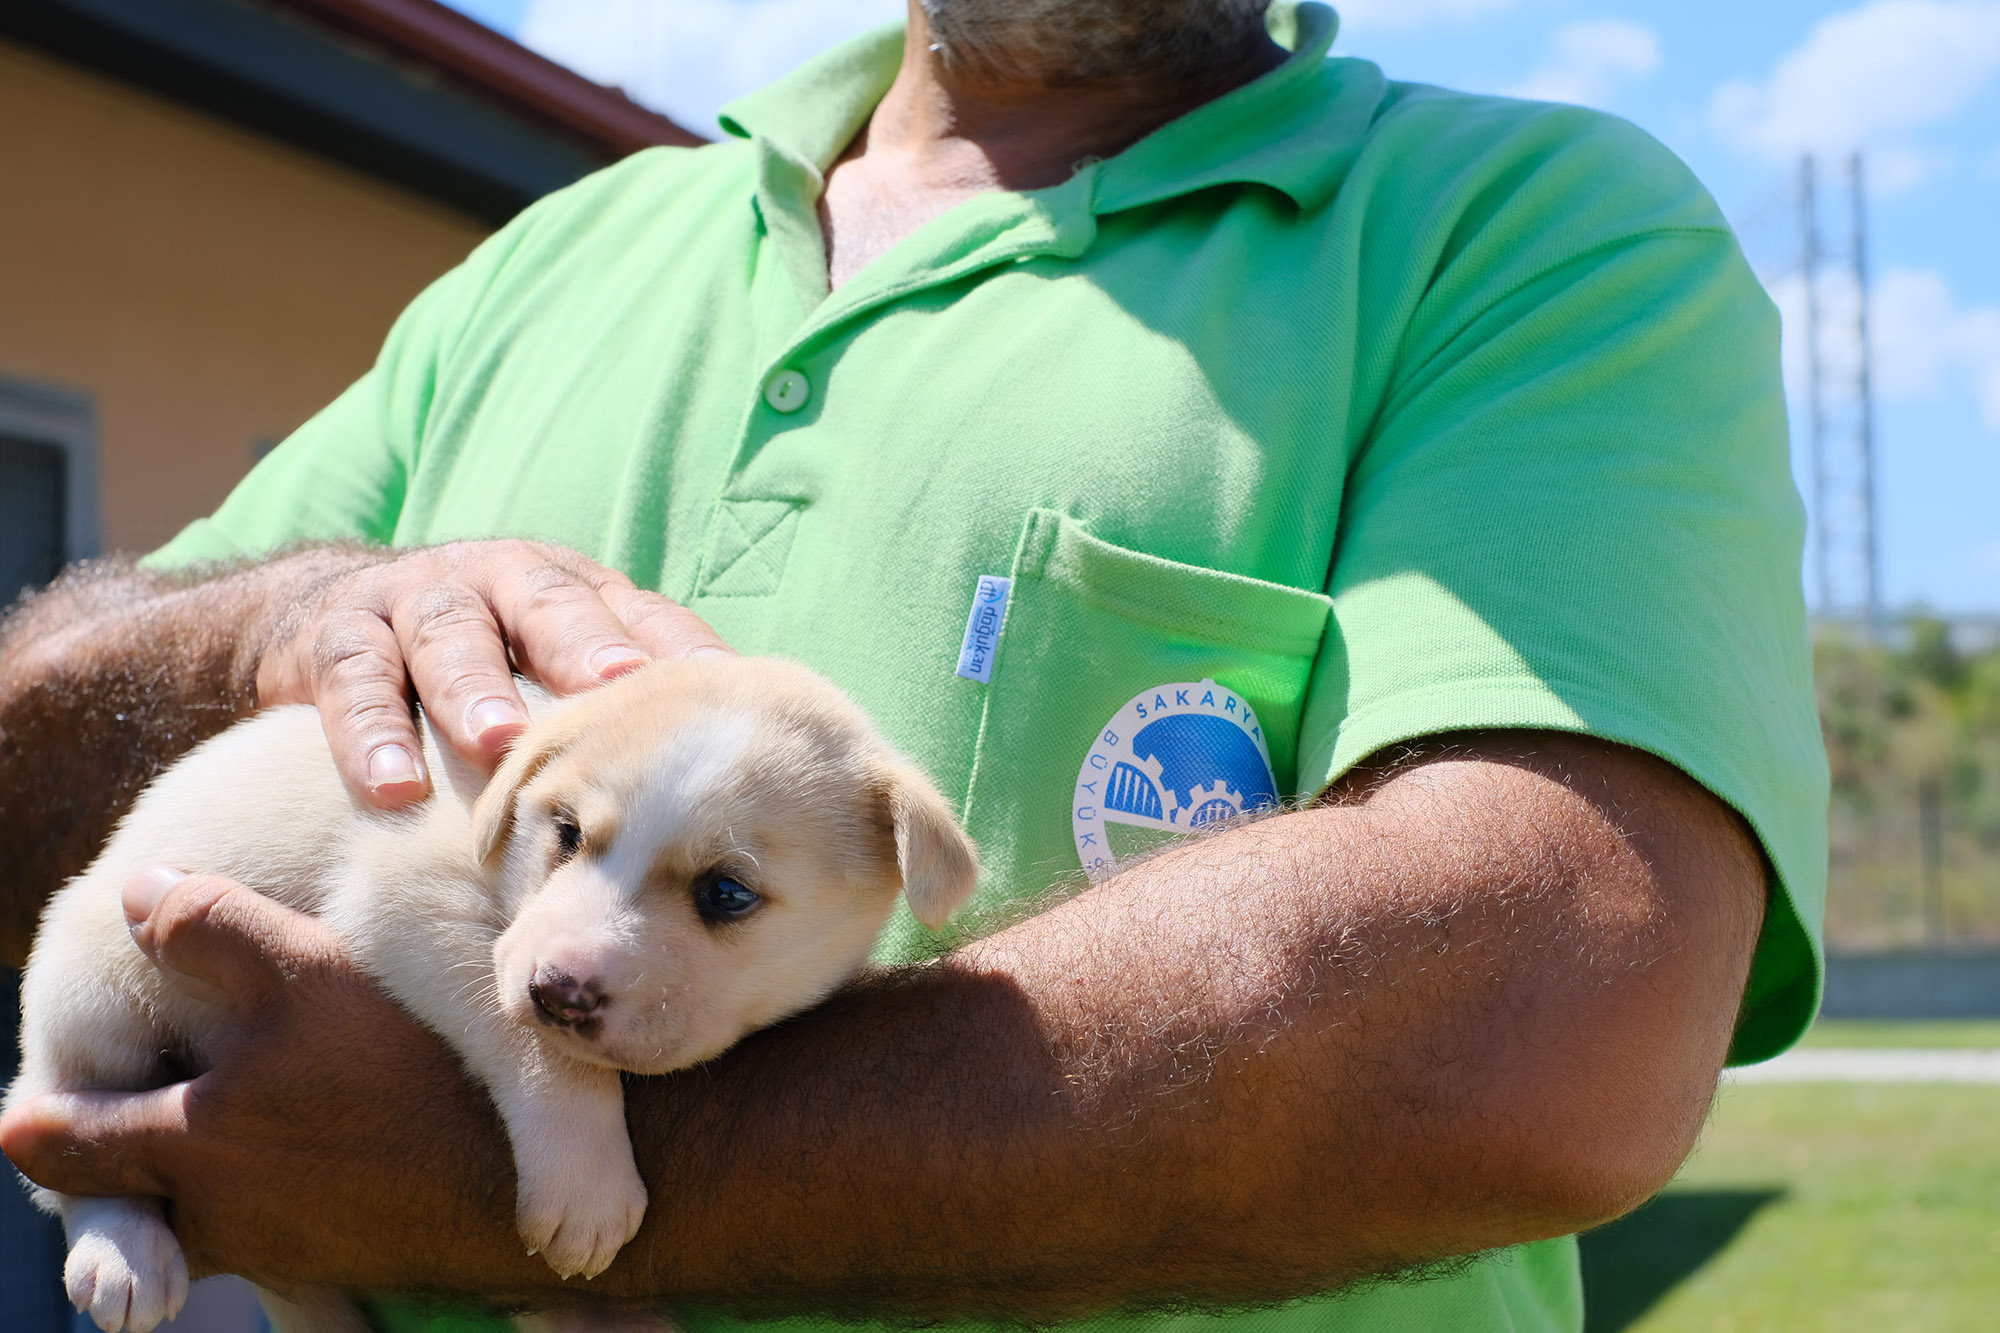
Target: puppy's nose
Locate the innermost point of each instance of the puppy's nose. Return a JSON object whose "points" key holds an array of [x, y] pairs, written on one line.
{"points": [[563, 1000]]}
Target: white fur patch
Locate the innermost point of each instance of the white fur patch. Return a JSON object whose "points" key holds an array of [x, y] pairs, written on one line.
{"points": [[705, 756]]}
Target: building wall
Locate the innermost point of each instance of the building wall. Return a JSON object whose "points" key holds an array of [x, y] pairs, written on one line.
{"points": [[208, 288]]}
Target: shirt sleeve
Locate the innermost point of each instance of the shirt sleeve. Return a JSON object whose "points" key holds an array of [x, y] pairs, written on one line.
{"points": [[1574, 510]]}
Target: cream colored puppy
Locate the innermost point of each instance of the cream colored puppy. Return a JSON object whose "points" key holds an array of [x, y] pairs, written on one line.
{"points": [[659, 867]]}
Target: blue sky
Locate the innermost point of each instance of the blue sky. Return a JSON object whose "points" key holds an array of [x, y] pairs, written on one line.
{"points": [[1738, 89]]}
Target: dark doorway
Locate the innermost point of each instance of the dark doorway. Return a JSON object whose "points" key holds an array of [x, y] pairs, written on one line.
{"points": [[31, 1244], [33, 499], [34, 495]]}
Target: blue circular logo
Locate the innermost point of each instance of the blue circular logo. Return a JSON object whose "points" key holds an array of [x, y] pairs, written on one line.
{"points": [[1172, 759]]}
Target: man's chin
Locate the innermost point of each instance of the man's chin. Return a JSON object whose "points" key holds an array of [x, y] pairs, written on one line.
{"points": [[1065, 43]]}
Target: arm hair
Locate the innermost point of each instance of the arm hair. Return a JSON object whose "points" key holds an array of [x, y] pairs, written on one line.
{"points": [[107, 676], [1479, 998]]}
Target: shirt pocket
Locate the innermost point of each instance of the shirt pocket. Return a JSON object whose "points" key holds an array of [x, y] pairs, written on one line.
{"points": [[1132, 698]]}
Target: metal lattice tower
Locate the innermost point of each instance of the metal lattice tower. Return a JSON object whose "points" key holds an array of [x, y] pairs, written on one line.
{"points": [[1840, 406]]}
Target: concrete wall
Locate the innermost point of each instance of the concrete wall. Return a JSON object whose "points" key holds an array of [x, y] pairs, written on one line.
{"points": [[208, 288]]}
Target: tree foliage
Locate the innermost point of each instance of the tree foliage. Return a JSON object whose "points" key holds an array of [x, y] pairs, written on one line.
{"points": [[1912, 725]]}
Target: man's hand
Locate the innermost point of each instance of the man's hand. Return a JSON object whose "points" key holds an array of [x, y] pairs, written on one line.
{"points": [[456, 622], [334, 1139], [114, 672], [1480, 999]]}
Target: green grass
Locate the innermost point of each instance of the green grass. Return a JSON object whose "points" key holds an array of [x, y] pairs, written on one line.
{"points": [[1959, 1035], [1820, 1208]]}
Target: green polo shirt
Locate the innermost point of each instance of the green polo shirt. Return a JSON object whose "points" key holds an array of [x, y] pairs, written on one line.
{"points": [[1336, 413]]}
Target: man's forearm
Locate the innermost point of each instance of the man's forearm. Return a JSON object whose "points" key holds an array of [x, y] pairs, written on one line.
{"points": [[1485, 1004], [1329, 1045], [105, 678]]}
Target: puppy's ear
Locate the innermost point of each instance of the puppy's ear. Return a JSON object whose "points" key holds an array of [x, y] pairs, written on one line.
{"points": [[493, 812], [940, 866]]}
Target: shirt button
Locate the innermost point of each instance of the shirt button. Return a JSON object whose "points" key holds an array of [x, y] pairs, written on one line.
{"points": [[787, 391]]}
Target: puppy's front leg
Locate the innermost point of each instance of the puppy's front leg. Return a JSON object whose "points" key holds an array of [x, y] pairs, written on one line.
{"points": [[580, 1194], [125, 1268], [580, 1197]]}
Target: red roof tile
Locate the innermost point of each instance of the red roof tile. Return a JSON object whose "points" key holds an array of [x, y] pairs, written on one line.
{"points": [[465, 50]]}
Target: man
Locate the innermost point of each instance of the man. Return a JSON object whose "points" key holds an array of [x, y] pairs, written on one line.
{"points": [[1140, 418]]}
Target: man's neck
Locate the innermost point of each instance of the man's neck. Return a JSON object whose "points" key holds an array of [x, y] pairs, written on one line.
{"points": [[941, 136]]}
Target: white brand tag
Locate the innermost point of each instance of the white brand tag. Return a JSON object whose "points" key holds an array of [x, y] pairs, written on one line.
{"points": [[982, 627]]}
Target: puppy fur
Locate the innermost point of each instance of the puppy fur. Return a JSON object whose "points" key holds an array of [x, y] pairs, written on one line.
{"points": [[547, 924]]}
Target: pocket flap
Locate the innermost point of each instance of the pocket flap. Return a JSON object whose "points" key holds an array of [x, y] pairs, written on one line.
{"points": [[1205, 603]]}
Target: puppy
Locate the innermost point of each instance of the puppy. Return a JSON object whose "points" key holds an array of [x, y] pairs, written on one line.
{"points": [[660, 866]]}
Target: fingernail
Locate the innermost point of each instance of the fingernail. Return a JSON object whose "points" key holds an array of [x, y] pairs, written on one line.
{"points": [[145, 889], [607, 662], [494, 715], [711, 650], [392, 766]]}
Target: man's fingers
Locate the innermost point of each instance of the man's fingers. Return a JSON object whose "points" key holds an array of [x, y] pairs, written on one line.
{"points": [[361, 688], [456, 622], [94, 1144], [664, 628], [458, 661], [229, 940], [561, 631]]}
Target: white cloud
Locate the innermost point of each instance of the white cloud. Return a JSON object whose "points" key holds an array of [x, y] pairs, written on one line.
{"points": [[1868, 78], [1927, 340], [1926, 344], [1588, 61], [690, 57], [1894, 168]]}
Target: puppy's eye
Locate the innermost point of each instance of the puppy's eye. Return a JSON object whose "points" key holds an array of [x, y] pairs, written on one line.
{"points": [[719, 898], [569, 838]]}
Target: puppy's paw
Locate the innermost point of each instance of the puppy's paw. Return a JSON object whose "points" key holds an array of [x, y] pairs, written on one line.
{"points": [[579, 1221], [128, 1276]]}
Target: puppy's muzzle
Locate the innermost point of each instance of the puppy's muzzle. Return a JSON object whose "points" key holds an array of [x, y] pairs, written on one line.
{"points": [[561, 999]]}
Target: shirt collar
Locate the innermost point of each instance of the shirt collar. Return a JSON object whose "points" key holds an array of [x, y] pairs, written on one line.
{"points": [[1294, 129], [813, 113]]}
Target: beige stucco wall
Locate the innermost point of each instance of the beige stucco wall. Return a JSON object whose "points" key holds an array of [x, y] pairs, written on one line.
{"points": [[208, 287]]}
